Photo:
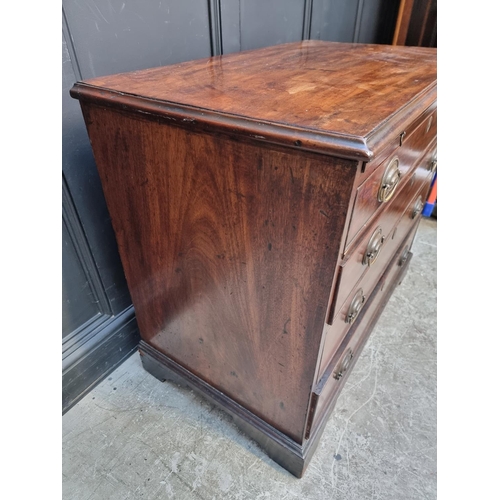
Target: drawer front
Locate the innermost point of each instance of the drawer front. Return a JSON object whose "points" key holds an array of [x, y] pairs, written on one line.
{"points": [[349, 351], [429, 131], [419, 178], [388, 179], [374, 250], [354, 303]]}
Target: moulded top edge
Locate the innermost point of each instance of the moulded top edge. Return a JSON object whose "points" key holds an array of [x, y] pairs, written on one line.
{"points": [[327, 96], [330, 143]]}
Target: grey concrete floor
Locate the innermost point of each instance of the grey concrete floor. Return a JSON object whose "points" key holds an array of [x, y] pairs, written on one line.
{"points": [[134, 437]]}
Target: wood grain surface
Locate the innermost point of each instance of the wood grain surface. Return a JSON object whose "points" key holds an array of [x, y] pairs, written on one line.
{"points": [[346, 98], [229, 252]]}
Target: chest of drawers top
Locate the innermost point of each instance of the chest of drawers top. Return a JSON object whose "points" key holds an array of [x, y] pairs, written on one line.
{"points": [[347, 100]]}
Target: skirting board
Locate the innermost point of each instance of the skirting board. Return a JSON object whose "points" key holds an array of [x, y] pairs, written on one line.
{"points": [[120, 339]]}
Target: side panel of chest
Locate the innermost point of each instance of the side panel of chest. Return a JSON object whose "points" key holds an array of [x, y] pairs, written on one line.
{"points": [[229, 250]]}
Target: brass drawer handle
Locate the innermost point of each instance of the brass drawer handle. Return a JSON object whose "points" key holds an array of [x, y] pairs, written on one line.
{"points": [[373, 248], [433, 166], [429, 124], [344, 365], [404, 256], [417, 208], [390, 180], [355, 307]]}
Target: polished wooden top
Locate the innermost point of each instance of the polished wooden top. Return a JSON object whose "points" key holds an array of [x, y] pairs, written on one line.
{"points": [[331, 92]]}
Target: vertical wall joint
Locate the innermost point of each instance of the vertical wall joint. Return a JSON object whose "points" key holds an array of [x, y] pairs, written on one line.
{"points": [[306, 27], [215, 27]]}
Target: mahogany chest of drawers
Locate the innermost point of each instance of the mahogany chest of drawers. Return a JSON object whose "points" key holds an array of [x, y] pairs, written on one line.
{"points": [[265, 205]]}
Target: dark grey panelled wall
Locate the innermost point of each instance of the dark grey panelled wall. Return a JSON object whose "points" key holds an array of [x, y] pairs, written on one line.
{"points": [[251, 24], [98, 321], [358, 21], [102, 37], [125, 35]]}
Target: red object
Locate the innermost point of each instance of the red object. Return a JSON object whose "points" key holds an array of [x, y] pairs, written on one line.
{"points": [[433, 195]]}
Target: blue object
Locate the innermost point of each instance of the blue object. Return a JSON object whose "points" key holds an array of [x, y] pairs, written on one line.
{"points": [[428, 208]]}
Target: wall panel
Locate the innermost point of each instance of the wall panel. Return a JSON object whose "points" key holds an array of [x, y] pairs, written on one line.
{"points": [[251, 24], [115, 36]]}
